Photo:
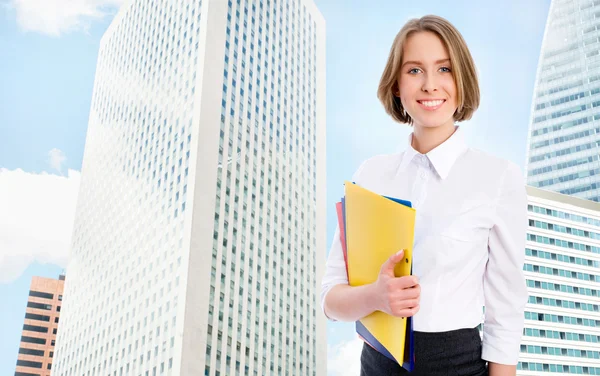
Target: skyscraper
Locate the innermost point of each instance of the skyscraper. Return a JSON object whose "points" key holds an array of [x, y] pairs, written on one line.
{"points": [[562, 319], [562, 260], [36, 350], [200, 226], [564, 133]]}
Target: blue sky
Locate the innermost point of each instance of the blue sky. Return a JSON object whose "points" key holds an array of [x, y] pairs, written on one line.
{"points": [[47, 73]]}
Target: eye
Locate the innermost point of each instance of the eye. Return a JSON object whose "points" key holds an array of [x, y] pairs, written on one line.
{"points": [[414, 71], [445, 69]]}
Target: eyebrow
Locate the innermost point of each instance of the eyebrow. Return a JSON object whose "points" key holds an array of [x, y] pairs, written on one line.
{"points": [[420, 63]]}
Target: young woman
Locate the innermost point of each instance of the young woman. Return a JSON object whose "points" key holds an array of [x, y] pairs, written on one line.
{"points": [[471, 220]]}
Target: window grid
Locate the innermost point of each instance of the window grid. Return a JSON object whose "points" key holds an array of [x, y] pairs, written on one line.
{"points": [[141, 145]]}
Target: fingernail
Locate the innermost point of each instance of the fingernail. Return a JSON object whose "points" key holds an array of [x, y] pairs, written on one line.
{"points": [[400, 252]]}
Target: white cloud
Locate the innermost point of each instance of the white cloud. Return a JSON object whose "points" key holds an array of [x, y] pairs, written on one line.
{"points": [[344, 359], [55, 17], [56, 158], [36, 219]]}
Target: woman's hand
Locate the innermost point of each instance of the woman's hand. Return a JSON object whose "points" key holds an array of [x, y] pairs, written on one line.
{"points": [[396, 296]]}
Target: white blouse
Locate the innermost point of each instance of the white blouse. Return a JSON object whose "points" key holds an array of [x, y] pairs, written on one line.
{"points": [[469, 245]]}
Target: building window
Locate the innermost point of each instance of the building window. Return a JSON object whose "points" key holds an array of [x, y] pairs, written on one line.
{"points": [[34, 328], [33, 316], [39, 294], [39, 341], [47, 307], [28, 363], [31, 352]]}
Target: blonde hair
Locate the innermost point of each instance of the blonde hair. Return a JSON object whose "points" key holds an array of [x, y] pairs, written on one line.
{"points": [[463, 69]]}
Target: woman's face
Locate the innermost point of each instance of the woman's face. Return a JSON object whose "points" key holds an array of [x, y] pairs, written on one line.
{"points": [[427, 87]]}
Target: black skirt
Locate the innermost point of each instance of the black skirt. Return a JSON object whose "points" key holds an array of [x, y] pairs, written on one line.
{"points": [[453, 353]]}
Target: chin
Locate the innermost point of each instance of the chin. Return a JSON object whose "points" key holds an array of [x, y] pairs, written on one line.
{"points": [[430, 124], [425, 122]]}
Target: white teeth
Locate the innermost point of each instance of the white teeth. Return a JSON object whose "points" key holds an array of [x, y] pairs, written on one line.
{"points": [[432, 103]]}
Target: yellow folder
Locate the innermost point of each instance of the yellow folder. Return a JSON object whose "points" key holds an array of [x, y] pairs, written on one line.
{"points": [[376, 228]]}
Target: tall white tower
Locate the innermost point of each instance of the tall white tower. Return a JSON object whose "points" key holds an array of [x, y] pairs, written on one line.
{"points": [[564, 133], [562, 319], [200, 228]]}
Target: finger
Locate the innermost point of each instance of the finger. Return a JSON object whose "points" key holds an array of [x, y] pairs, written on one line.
{"points": [[413, 311], [408, 312], [413, 292], [406, 282], [404, 304], [397, 293], [390, 263]]}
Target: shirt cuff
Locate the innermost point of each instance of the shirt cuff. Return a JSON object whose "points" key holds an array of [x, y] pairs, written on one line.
{"points": [[500, 346]]}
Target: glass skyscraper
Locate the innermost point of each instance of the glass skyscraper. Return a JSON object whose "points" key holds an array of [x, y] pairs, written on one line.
{"points": [[562, 270], [562, 262], [564, 133], [200, 226]]}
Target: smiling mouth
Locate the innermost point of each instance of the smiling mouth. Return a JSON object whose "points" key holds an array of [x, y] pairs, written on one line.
{"points": [[431, 103]]}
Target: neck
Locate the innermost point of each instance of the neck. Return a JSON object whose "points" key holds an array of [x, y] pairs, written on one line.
{"points": [[426, 139]]}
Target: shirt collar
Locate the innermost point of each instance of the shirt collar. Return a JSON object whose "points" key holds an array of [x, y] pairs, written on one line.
{"points": [[442, 157]]}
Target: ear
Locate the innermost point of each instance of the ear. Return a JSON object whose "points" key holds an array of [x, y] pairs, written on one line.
{"points": [[396, 90]]}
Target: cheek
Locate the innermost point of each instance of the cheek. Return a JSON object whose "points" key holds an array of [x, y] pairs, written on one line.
{"points": [[406, 100], [407, 89], [408, 85], [450, 87], [403, 102]]}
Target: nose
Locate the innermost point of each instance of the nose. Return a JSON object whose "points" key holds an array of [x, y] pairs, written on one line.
{"points": [[430, 83]]}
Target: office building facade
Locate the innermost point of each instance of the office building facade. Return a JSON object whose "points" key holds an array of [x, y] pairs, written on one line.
{"points": [[36, 350], [564, 133], [199, 235], [562, 334], [562, 259]]}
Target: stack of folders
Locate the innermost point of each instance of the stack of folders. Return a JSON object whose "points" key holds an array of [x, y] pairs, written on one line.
{"points": [[372, 228]]}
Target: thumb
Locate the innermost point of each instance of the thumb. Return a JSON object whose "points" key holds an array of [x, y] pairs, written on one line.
{"points": [[388, 266]]}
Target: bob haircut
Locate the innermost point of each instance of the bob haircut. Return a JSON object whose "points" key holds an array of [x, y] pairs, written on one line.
{"points": [[463, 68]]}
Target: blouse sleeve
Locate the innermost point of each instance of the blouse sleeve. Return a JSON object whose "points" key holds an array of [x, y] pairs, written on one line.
{"points": [[504, 284], [335, 269]]}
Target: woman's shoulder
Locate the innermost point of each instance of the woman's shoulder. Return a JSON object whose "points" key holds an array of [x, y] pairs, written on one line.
{"points": [[489, 158], [377, 165], [499, 167]]}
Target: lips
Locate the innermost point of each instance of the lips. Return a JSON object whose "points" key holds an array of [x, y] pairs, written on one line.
{"points": [[431, 104]]}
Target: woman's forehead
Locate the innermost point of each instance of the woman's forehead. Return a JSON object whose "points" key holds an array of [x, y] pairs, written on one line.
{"points": [[424, 47]]}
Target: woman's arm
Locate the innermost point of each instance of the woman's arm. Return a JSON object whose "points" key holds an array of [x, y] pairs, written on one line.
{"points": [[340, 301], [496, 369], [348, 303], [397, 296], [504, 285]]}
